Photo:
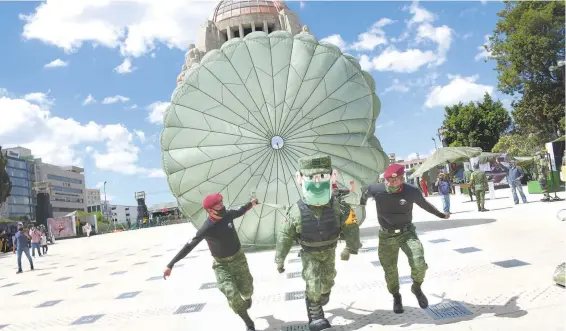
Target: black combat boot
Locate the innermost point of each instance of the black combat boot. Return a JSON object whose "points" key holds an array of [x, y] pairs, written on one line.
{"points": [[421, 297], [483, 209], [250, 326], [317, 322], [397, 304], [324, 299]]}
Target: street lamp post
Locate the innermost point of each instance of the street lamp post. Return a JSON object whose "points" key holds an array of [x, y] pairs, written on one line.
{"points": [[435, 147]]}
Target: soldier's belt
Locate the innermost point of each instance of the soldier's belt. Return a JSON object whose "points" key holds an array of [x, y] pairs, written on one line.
{"points": [[317, 244], [227, 259], [401, 230]]}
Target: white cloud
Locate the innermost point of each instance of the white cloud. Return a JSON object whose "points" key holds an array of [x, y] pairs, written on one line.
{"points": [[459, 89], [140, 134], [57, 140], [367, 41], [416, 156], [482, 52], [408, 61], [374, 37], [56, 63], [396, 87], [412, 59], [132, 26], [114, 99], [365, 63], [467, 36], [89, 100], [388, 123], [420, 15], [302, 4], [336, 40], [39, 98], [134, 106], [156, 173], [157, 112], [125, 67], [441, 35]]}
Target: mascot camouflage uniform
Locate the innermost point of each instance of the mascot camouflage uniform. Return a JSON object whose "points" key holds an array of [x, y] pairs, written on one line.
{"points": [[316, 222], [542, 166]]}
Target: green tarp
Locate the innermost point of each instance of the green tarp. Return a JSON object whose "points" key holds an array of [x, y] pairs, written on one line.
{"points": [[446, 155], [242, 117]]}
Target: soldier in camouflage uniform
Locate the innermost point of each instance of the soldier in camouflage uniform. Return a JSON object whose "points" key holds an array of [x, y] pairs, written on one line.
{"points": [[316, 222], [394, 204], [478, 182], [542, 166], [230, 264]]}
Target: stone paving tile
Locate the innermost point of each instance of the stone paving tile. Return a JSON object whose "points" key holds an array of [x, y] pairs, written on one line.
{"points": [[89, 319], [49, 303]]}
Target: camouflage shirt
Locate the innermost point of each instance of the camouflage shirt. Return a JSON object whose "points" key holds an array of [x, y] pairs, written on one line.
{"points": [[292, 228], [479, 180]]}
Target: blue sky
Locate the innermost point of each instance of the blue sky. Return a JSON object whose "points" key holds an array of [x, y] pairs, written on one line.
{"points": [[85, 82]]}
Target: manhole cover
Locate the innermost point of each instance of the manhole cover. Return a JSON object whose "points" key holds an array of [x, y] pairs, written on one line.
{"points": [[194, 308], [376, 263], [294, 260], [405, 280], [510, 263], [447, 310], [467, 250], [296, 327], [297, 295], [296, 274], [207, 286], [437, 241]]}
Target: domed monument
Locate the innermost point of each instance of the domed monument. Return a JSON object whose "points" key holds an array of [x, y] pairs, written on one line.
{"points": [[236, 19], [259, 91]]}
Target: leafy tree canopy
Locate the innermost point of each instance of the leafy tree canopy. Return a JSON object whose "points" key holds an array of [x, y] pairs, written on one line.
{"points": [[527, 42], [517, 145], [477, 124]]}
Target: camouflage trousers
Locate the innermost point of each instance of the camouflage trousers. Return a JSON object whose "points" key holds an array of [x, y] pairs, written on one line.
{"points": [[480, 197], [543, 185], [388, 250], [319, 272], [234, 280]]}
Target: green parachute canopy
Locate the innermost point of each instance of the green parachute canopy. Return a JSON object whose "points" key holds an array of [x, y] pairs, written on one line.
{"points": [[240, 120]]}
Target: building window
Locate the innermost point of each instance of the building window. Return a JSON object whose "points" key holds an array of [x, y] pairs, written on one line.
{"points": [[16, 164], [66, 189], [113, 208], [127, 215], [16, 190], [19, 182], [64, 179], [18, 200], [12, 172]]}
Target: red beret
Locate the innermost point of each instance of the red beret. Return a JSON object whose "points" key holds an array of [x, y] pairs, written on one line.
{"points": [[211, 200], [394, 170]]}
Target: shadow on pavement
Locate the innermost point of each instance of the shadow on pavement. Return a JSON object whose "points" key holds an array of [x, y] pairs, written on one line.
{"points": [[486, 199], [434, 225], [410, 317]]}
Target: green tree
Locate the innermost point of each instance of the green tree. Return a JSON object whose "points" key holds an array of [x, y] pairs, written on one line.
{"points": [[527, 42], [517, 145], [478, 124]]}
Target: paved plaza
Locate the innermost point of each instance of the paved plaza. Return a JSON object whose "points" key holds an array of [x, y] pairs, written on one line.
{"points": [[487, 271]]}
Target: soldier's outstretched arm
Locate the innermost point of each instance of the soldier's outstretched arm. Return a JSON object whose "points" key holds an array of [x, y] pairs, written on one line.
{"points": [[286, 236], [365, 195], [419, 199], [189, 246]]}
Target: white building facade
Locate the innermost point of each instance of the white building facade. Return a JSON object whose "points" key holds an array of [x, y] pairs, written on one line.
{"points": [[120, 214], [92, 197]]}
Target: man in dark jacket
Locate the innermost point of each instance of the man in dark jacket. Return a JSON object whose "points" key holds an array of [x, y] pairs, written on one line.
{"points": [[394, 203], [230, 264]]}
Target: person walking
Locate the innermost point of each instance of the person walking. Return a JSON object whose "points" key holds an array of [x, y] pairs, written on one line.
{"points": [[424, 186], [542, 169], [230, 264], [478, 180], [444, 190], [88, 229], [44, 243], [467, 179], [394, 201], [514, 176], [35, 240], [21, 241]]}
